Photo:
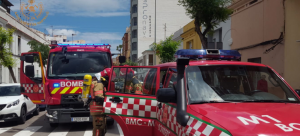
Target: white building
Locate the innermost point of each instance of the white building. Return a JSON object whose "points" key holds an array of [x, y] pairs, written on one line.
{"points": [[21, 37], [169, 18], [221, 37]]}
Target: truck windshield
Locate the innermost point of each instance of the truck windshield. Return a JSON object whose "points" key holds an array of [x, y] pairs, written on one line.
{"points": [[236, 83], [77, 64]]}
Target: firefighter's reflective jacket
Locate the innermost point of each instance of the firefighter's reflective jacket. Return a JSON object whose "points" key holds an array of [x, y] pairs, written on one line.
{"points": [[133, 85]]}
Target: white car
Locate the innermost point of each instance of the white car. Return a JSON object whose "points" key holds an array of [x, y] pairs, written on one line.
{"points": [[15, 106]]}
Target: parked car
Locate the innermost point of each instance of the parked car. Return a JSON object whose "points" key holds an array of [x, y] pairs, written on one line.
{"points": [[15, 106]]}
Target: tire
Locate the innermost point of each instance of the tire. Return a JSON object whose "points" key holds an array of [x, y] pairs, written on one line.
{"points": [[37, 111], [23, 115], [110, 122], [53, 125]]}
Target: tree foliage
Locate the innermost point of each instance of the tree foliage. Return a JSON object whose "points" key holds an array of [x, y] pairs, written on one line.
{"points": [[166, 49], [130, 63], [207, 13], [6, 56], [119, 48], [39, 47]]}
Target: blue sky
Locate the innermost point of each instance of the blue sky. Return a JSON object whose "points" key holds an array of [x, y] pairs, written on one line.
{"points": [[96, 21]]}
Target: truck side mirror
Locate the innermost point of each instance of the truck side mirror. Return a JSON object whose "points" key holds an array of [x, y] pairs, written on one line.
{"points": [[29, 71], [28, 58], [166, 95], [122, 59], [297, 91]]}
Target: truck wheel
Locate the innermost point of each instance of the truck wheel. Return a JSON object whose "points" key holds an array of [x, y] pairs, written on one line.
{"points": [[22, 115], [53, 124], [110, 122], [37, 111]]}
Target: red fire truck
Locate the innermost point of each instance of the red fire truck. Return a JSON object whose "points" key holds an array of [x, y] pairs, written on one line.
{"points": [[217, 96], [60, 86]]}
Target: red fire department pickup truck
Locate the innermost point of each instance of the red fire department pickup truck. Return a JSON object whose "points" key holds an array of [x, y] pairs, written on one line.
{"points": [[204, 93], [61, 86]]}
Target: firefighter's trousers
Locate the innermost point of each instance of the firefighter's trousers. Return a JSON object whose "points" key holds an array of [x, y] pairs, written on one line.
{"points": [[99, 125]]}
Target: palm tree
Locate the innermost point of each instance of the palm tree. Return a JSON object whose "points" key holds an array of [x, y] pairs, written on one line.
{"points": [[119, 48]]}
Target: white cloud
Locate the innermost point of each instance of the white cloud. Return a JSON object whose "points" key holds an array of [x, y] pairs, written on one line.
{"points": [[67, 32], [89, 8]]}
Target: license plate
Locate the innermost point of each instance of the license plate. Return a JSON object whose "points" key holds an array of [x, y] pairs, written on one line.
{"points": [[1, 120], [80, 119]]}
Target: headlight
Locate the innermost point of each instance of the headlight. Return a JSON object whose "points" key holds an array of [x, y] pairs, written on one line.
{"points": [[13, 103], [54, 113]]}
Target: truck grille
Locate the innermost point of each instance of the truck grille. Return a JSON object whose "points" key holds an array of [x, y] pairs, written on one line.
{"points": [[70, 99], [2, 106]]}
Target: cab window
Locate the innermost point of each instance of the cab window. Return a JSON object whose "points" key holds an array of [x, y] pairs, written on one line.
{"points": [[134, 80], [171, 78], [163, 73]]}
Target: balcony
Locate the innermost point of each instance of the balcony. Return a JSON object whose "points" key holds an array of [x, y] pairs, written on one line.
{"points": [[215, 45]]}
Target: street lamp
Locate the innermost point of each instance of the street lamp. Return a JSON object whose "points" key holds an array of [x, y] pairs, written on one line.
{"points": [[72, 37]]}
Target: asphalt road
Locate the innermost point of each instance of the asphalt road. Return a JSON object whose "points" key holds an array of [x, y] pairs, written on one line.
{"points": [[37, 126]]}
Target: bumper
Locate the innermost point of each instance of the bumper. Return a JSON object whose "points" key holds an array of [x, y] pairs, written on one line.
{"points": [[66, 115], [8, 117]]}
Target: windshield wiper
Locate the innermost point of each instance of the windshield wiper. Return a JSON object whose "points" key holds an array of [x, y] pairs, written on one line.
{"points": [[202, 102], [273, 101]]}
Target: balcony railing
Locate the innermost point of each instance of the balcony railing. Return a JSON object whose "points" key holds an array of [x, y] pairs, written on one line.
{"points": [[213, 45]]}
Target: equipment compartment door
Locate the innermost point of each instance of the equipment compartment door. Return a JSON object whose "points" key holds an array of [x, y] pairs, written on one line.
{"points": [[32, 77], [132, 103]]}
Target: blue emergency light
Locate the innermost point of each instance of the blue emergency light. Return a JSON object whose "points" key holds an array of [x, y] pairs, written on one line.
{"points": [[80, 44], [208, 54], [56, 85]]}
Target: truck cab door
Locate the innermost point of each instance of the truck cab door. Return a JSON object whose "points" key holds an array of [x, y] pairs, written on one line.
{"points": [[135, 112], [32, 78]]}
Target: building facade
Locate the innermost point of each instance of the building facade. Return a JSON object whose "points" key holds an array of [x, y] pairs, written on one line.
{"points": [[169, 18], [126, 44], [267, 31], [190, 37], [21, 37]]}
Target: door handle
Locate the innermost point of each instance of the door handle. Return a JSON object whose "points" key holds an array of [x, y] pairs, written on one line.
{"points": [[115, 99]]}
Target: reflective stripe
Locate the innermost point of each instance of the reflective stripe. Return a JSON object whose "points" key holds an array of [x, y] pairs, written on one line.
{"points": [[55, 90], [138, 92], [129, 87], [97, 134], [74, 90], [99, 92], [65, 90]]}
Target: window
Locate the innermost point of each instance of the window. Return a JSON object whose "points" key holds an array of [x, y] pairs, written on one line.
{"points": [[171, 78], [134, 46], [134, 34], [163, 73], [255, 60], [134, 80], [134, 21], [150, 59], [134, 57], [19, 45], [134, 9], [190, 45]]}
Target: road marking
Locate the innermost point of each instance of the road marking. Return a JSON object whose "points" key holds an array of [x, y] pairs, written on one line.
{"points": [[60, 130], [120, 130], [28, 131], [2, 130], [88, 133]]}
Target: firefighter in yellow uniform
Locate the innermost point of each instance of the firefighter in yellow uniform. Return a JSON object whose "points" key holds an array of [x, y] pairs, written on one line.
{"points": [[97, 92], [132, 84]]}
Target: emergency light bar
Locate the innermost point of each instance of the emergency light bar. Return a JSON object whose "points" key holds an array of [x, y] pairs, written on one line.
{"points": [[208, 54], [80, 44]]}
